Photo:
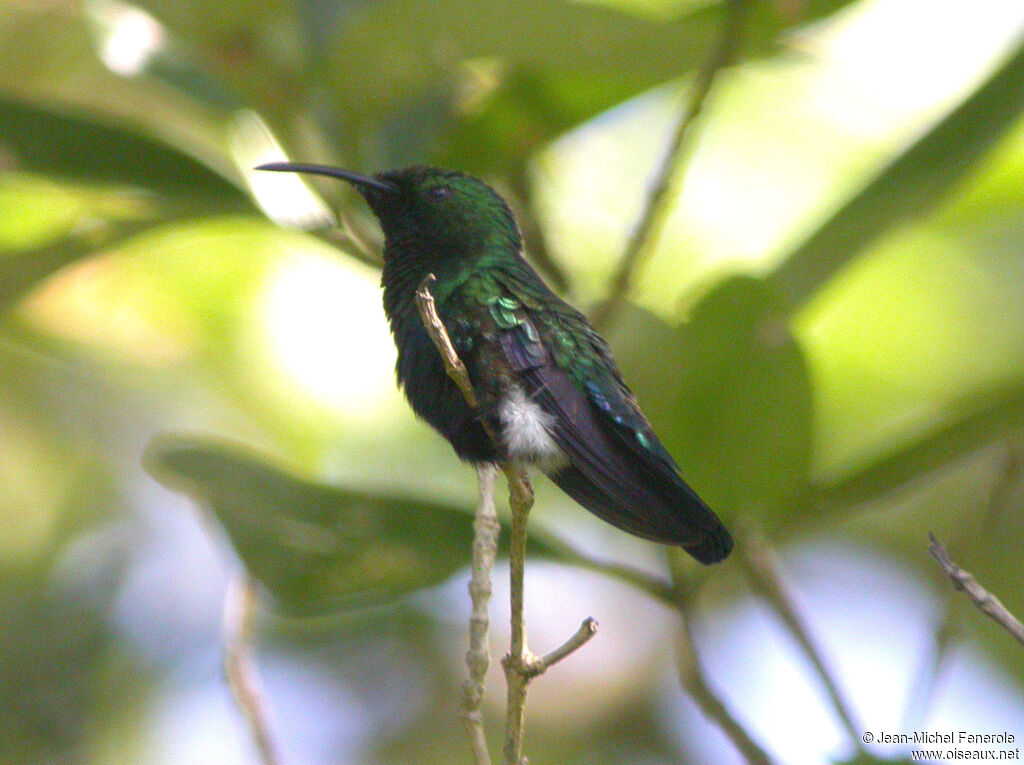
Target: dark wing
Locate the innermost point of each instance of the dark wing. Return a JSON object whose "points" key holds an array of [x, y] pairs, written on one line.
{"points": [[618, 469]]}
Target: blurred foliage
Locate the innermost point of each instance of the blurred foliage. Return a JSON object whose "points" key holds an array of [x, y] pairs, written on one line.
{"points": [[318, 549], [862, 378]]}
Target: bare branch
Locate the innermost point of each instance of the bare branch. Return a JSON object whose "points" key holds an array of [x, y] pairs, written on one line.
{"points": [[478, 658], [978, 595], [656, 207], [533, 236], [519, 664], [762, 567], [240, 667], [693, 680], [517, 660]]}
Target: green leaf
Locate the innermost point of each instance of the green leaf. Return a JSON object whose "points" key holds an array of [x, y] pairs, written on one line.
{"points": [[320, 549], [729, 394], [317, 549], [53, 62], [47, 225], [913, 185], [625, 54], [74, 147]]}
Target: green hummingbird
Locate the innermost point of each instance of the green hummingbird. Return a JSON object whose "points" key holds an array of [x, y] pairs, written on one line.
{"points": [[545, 379]]}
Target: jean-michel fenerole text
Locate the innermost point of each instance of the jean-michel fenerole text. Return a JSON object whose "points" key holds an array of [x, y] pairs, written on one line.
{"points": [[939, 737]]}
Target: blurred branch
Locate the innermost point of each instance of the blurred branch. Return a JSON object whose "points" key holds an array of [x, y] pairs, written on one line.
{"points": [[762, 568], [239, 666], [346, 238], [692, 678], [921, 695], [533, 235], [656, 207], [978, 595], [1001, 498], [657, 588], [478, 658], [368, 249], [991, 415]]}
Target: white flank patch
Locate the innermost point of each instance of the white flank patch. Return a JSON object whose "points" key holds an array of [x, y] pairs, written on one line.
{"points": [[525, 429]]}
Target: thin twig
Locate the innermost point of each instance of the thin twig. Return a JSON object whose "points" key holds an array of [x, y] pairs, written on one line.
{"points": [[978, 595], [762, 567], [516, 661], [541, 664], [658, 588], [656, 206], [478, 658], [435, 328], [240, 667], [923, 686], [520, 666], [692, 677]]}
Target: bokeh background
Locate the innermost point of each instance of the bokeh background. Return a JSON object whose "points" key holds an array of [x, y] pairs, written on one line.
{"points": [[828, 334]]}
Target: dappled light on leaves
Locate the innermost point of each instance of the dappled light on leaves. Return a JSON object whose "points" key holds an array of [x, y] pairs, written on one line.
{"points": [[287, 199], [112, 306], [325, 327], [922, 323], [128, 35], [826, 335]]}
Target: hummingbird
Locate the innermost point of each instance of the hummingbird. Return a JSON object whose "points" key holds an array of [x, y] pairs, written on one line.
{"points": [[545, 380]]}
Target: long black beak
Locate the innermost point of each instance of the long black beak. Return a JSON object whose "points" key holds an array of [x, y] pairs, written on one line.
{"points": [[366, 181]]}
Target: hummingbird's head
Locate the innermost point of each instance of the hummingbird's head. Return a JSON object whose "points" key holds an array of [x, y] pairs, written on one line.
{"points": [[437, 214]]}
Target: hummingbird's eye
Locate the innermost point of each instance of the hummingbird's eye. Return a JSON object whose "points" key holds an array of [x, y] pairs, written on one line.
{"points": [[439, 192]]}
